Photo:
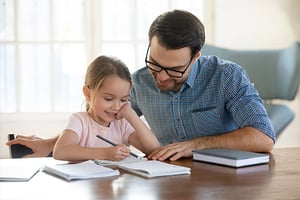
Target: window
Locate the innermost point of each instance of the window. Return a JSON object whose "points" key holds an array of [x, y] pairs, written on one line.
{"points": [[42, 54], [46, 45]]}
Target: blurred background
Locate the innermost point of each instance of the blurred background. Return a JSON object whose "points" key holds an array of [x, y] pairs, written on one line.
{"points": [[46, 45]]}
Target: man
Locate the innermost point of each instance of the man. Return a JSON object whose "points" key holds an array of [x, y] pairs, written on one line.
{"points": [[195, 102], [192, 101]]}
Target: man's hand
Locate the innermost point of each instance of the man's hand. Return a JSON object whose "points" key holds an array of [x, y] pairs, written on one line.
{"points": [[173, 151], [39, 146]]}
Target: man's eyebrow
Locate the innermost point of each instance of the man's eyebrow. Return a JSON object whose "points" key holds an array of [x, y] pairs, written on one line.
{"points": [[155, 62]]}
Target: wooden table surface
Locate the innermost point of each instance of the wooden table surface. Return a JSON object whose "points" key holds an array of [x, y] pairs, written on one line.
{"points": [[280, 179]]}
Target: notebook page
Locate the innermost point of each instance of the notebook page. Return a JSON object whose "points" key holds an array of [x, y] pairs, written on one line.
{"points": [[84, 170], [154, 168], [129, 159]]}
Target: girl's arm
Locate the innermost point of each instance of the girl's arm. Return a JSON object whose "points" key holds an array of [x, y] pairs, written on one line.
{"points": [[143, 138], [66, 148]]}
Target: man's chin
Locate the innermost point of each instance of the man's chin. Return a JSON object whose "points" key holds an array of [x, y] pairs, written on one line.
{"points": [[164, 88]]}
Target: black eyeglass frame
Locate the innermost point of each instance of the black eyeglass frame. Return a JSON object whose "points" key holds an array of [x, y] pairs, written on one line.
{"points": [[166, 68]]}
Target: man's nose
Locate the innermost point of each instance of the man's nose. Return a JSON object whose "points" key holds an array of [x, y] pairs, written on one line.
{"points": [[163, 75]]}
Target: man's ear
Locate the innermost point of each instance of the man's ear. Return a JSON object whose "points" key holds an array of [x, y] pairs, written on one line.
{"points": [[86, 92], [196, 56]]}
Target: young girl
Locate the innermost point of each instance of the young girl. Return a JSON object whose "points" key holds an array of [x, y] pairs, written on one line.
{"points": [[108, 114]]}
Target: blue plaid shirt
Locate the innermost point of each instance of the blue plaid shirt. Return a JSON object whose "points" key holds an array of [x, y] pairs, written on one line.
{"points": [[216, 98]]}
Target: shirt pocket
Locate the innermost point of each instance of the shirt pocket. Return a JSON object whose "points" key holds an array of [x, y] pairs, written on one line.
{"points": [[207, 121]]}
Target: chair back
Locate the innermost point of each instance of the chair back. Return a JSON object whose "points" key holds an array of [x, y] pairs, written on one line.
{"points": [[275, 73]]}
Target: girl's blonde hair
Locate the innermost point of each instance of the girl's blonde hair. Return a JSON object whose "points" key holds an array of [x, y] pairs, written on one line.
{"points": [[103, 67]]}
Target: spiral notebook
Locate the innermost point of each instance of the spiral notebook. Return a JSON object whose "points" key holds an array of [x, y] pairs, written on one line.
{"points": [[83, 170], [129, 159], [154, 168]]}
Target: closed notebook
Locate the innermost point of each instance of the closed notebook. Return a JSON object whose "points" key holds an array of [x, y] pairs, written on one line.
{"points": [[83, 170], [18, 169], [230, 157], [154, 168]]}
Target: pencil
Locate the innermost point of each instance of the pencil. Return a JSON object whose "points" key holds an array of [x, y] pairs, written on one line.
{"points": [[113, 144]]}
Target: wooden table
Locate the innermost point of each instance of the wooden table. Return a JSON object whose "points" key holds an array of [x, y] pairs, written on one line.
{"points": [[278, 180]]}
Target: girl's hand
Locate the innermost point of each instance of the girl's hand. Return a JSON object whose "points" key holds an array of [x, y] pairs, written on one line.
{"points": [[117, 153], [126, 108]]}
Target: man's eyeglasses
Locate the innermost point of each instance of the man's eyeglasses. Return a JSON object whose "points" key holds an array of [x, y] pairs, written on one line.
{"points": [[171, 72]]}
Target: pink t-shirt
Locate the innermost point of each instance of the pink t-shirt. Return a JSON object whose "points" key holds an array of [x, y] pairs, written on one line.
{"points": [[87, 129]]}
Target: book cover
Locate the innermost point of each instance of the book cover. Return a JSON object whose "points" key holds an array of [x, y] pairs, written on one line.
{"points": [[230, 157]]}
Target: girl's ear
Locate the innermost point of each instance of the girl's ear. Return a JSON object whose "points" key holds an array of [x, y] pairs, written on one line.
{"points": [[86, 92]]}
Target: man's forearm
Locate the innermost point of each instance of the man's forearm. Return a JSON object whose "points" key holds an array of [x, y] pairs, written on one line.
{"points": [[248, 139]]}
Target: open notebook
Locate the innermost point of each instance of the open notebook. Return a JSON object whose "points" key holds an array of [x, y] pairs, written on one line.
{"points": [[83, 170], [129, 159], [154, 168]]}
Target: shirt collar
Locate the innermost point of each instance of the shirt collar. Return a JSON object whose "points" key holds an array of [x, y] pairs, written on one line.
{"points": [[191, 78]]}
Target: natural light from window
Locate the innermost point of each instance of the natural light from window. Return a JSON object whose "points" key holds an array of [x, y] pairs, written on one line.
{"points": [[46, 45]]}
